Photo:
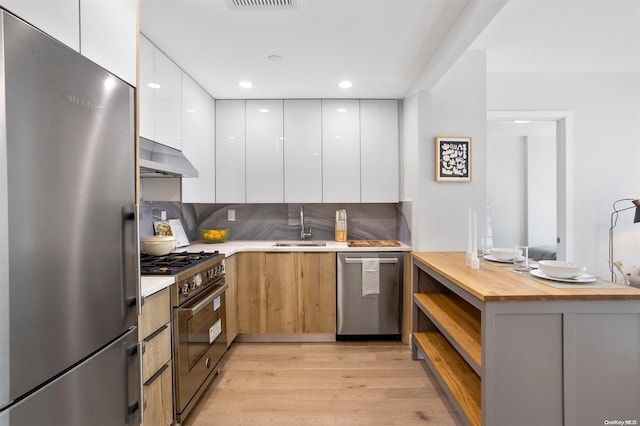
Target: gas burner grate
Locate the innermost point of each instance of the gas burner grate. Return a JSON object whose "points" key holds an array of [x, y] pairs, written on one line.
{"points": [[173, 263]]}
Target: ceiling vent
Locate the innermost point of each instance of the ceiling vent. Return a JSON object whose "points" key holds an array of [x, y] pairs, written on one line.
{"points": [[263, 4]]}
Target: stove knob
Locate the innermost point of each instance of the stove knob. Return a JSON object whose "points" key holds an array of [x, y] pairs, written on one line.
{"points": [[185, 288]]}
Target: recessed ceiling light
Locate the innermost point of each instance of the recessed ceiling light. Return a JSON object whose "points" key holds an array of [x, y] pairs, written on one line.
{"points": [[191, 110], [154, 85], [342, 110], [274, 58], [345, 84], [263, 110], [521, 121], [245, 84]]}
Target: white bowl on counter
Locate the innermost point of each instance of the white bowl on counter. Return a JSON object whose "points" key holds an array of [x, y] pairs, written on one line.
{"points": [[560, 269], [158, 245], [504, 253]]}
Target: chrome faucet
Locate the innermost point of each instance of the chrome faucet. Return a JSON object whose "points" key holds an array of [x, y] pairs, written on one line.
{"points": [[303, 235]]}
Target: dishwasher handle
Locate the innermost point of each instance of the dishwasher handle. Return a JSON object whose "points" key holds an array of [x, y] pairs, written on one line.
{"points": [[360, 259]]}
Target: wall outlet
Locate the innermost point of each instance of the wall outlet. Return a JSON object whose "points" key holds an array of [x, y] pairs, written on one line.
{"points": [[163, 215], [231, 215]]}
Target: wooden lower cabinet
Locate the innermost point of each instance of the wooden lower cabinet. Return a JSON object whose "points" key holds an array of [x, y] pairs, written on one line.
{"points": [[154, 331], [231, 297], [286, 293], [158, 398]]}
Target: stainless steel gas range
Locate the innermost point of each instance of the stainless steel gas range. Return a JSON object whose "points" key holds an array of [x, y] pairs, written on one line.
{"points": [[199, 324]]}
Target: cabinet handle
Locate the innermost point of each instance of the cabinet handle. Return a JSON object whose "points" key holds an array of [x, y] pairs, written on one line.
{"points": [[156, 333], [156, 375], [360, 260]]}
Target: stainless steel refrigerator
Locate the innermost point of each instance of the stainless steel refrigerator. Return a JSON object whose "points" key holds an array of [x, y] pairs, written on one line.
{"points": [[68, 260]]}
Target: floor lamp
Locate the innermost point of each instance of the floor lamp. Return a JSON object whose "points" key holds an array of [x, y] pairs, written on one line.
{"points": [[614, 222]]}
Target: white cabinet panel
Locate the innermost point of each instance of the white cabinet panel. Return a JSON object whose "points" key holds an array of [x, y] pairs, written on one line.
{"points": [[168, 111], [230, 151], [303, 151], [208, 171], [264, 152], [147, 98], [58, 18], [198, 142], [379, 151], [341, 151], [108, 35]]}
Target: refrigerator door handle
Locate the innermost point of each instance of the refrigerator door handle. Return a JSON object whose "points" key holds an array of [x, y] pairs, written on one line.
{"points": [[133, 350], [131, 253]]}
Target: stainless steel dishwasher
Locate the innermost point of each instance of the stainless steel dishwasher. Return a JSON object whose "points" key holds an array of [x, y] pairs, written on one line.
{"points": [[369, 295]]}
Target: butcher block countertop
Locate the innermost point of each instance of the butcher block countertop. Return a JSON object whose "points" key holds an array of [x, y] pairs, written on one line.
{"points": [[495, 282]]}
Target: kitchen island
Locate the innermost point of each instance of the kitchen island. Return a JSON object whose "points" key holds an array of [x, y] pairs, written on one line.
{"points": [[512, 349]]}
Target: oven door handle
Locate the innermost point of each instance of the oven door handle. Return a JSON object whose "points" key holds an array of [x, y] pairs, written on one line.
{"points": [[204, 302]]}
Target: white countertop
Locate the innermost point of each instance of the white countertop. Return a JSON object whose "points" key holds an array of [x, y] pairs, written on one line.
{"points": [[152, 284], [231, 247]]}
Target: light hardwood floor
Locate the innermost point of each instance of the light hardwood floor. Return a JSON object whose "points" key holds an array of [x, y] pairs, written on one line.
{"points": [[341, 383]]}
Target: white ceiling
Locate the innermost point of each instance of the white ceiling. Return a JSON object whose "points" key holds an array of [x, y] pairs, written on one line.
{"points": [[563, 36], [387, 48]]}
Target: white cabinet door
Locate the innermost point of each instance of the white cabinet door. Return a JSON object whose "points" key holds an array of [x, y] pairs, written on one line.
{"points": [[168, 110], [147, 97], [379, 151], [230, 151], [108, 34], [192, 121], [341, 151], [208, 172], [302, 151], [264, 153], [58, 18], [198, 142]]}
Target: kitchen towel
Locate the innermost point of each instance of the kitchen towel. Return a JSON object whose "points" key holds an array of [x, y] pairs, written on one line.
{"points": [[370, 277]]}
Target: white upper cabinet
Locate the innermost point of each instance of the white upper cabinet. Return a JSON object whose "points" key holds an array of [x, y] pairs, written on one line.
{"points": [[230, 151], [379, 151], [147, 97], [198, 142], [108, 34], [58, 18], [208, 171], [104, 31], [160, 96], [264, 151], [168, 110], [303, 151], [341, 151]]}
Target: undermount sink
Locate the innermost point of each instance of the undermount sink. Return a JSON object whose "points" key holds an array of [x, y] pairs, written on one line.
{"points": [[296, 243]]}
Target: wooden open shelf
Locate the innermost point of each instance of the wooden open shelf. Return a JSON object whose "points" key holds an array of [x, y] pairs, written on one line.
{"points": [[459, 378], [457, 318]]}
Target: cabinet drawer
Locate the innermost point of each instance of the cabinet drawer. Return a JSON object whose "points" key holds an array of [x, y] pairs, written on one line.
{"points": [[156, 311], [158, 408], [157, 352]]}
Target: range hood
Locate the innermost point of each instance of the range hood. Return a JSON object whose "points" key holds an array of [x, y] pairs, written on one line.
{"points": [[157, 160]]}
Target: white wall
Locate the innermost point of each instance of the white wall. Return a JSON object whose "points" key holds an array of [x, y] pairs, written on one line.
{"points": [[506, 187], [521, 182], [456, 106], [606, 150], [541, 190]]}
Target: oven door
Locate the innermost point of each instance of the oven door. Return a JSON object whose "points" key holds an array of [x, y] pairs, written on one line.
{"points": [[200, 342]]}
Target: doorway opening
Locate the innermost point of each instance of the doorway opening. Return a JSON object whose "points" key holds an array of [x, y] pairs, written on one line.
{"points": [[562, 121]]}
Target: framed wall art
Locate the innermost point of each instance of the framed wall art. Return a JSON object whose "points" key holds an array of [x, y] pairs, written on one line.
{"points": [[453, 159]]}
